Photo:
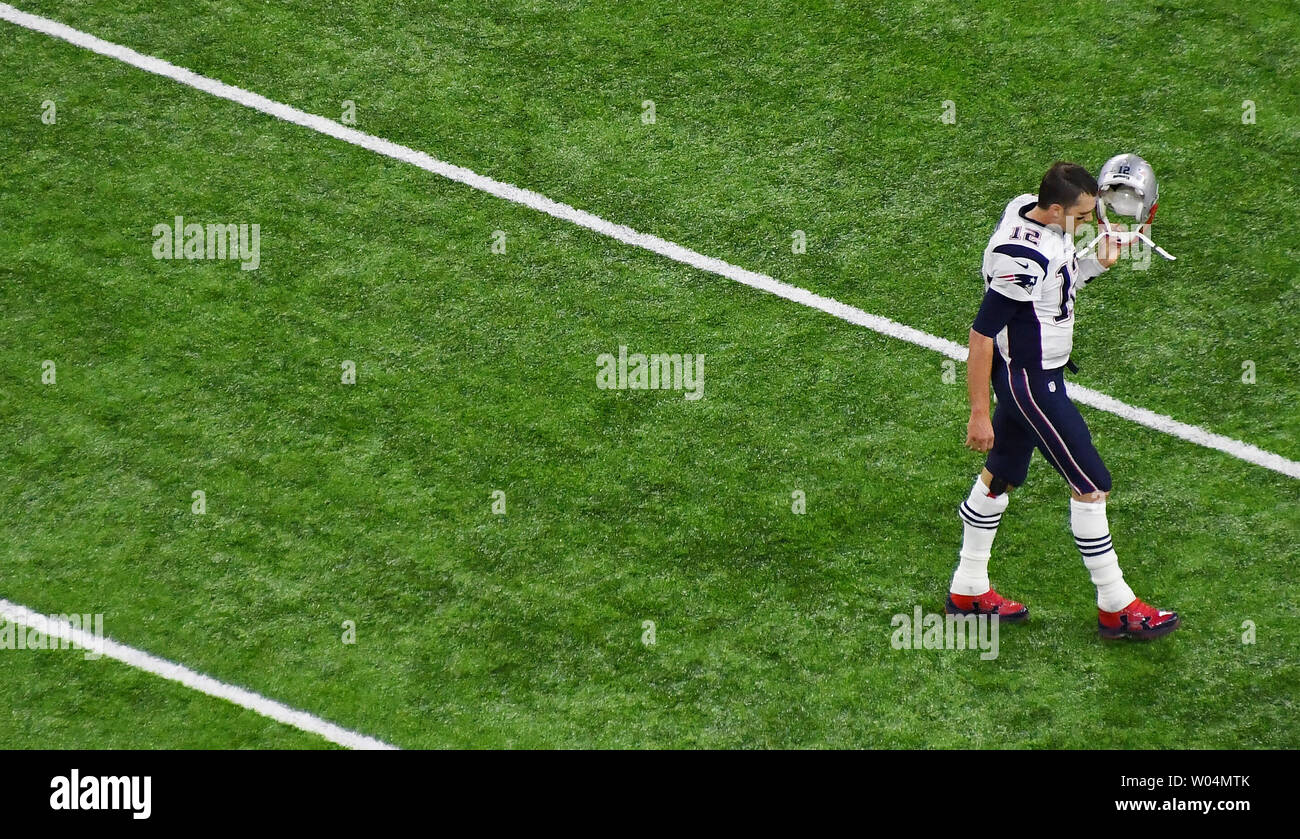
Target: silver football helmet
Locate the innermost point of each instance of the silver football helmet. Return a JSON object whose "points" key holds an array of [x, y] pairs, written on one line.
{"points": [[1126, 186]]}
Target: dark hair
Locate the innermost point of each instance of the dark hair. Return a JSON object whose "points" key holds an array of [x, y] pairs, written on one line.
{"points": [[1064, 183]]}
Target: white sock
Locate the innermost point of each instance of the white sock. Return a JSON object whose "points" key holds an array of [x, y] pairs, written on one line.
{"points": [[980, 515], [1092, 535]]}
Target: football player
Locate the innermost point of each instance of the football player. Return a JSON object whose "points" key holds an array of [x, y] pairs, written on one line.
{"points": [[1021, 340]]}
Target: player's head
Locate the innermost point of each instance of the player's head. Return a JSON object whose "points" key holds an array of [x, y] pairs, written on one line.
{"points": [[1067, 196]]}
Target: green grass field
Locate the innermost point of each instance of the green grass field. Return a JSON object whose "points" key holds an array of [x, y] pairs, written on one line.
{"points": [[475, 372]]}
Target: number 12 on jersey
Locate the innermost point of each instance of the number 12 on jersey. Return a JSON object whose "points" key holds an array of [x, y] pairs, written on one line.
{"points": [[1067, 296]]}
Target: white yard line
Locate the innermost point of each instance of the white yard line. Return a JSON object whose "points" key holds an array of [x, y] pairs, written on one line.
{"points": [[852, 314], [54, 627]]}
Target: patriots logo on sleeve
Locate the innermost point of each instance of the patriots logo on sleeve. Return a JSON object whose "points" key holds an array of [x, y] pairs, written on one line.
{"points": [[1023, 258], [1025, 281]]}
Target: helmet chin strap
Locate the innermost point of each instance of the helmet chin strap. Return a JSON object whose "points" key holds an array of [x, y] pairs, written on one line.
{"points": [[1120, 236]]}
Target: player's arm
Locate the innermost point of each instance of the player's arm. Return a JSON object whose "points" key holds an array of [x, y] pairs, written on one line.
{"points": [[1100, 260], [1009, 292], [1108, 250], [1090, 268], [979, 369]]}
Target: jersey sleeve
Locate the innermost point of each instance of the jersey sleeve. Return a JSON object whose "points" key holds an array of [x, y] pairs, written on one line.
{"points": [[1016, 271], [1090, 269], [996, 312]]}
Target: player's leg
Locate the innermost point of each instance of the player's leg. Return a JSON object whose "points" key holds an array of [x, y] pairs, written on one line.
{"points": [[1120, 613], [981, 513], [1066, 442]]}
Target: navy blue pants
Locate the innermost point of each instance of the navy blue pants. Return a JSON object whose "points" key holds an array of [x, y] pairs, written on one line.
{"points": [[1034, 411]]}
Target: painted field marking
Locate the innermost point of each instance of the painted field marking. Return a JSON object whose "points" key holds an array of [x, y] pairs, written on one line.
{"points": [[623, 233], [54, 628]]}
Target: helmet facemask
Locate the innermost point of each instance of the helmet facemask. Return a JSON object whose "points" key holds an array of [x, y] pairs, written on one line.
{"points": [[1127, 189], [1122, 201]]}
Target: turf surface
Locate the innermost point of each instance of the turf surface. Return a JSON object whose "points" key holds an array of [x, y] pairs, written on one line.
{"points": [[371, 502]]}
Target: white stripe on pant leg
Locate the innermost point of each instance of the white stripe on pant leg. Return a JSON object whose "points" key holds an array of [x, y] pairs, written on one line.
{"points": [[1029, 393], [1047, 450]]}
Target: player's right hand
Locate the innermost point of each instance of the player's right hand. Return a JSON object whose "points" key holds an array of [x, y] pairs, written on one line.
{"points": [[1111, 245], [979, 433]]}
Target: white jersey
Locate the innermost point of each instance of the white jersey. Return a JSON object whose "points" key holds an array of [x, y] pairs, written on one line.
{"points": [[1029, 261]]}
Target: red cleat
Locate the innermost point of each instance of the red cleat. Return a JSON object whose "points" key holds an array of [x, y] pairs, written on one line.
{"points": [[1136, 620], [988, 603]]}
